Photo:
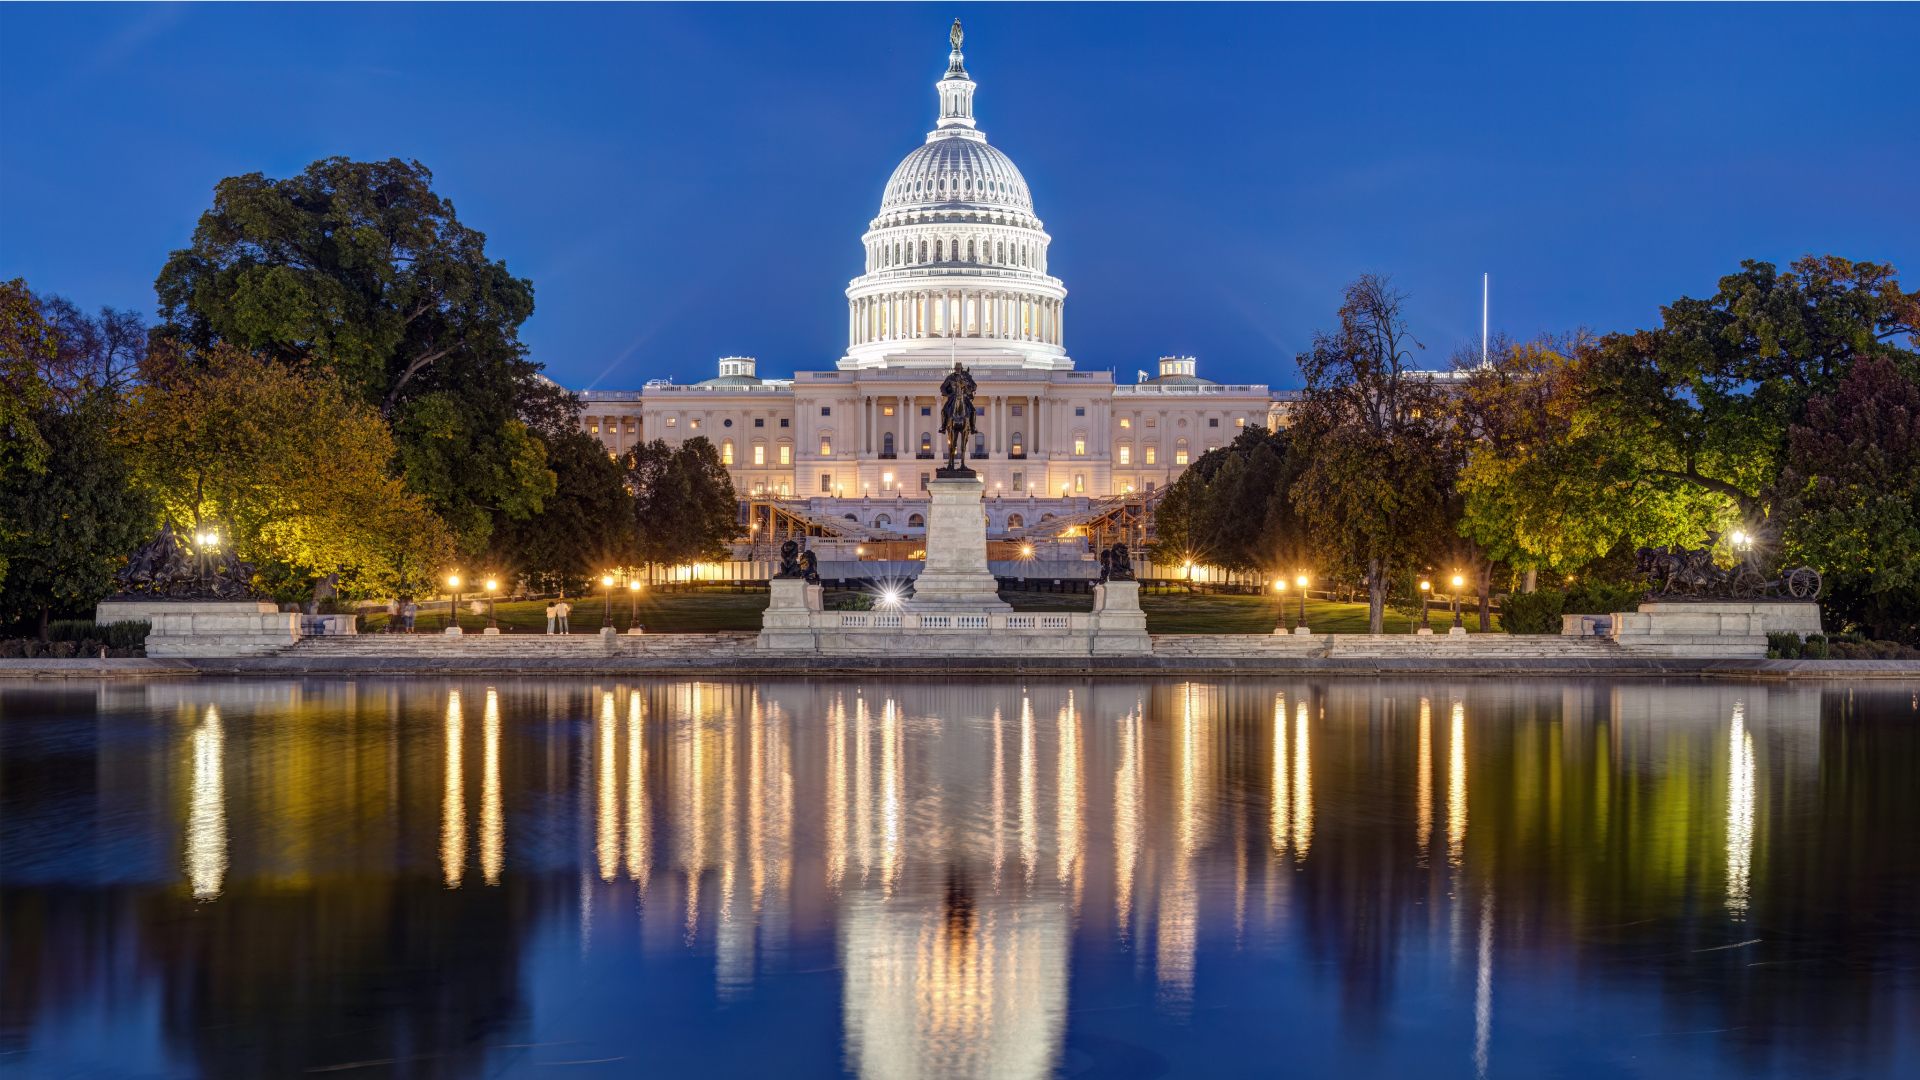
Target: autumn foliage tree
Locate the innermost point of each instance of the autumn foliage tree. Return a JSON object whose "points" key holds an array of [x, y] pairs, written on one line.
{"points": [[285, 460]]}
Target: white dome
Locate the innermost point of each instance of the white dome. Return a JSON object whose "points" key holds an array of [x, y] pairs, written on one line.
{"points": [[956, 171]]}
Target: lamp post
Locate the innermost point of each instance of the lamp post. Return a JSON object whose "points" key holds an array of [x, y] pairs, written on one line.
{"points": [[1458, 628], [1302, 628], [493, 624], [1426, 594], [1280, 606], [453, 606], [606, 602], [633, 605]]}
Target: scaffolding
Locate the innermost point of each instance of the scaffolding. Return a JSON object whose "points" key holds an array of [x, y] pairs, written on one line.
{"points": [[1126, 518], [768, 523]]}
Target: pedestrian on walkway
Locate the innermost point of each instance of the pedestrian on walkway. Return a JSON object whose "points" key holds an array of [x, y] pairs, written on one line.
{"points": [[560, 611], [410, 611], [549, 618], [393, 615]]}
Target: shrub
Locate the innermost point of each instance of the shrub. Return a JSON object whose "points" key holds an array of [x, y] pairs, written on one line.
{"points": [[1786, 646], [1601, 598], [1532, 613]]}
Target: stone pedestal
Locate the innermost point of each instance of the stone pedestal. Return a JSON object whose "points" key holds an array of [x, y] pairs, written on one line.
{"points": [[788, 620], [1120, 627], [212, 628], [956, 578], [1731, 628], [116, 609]]}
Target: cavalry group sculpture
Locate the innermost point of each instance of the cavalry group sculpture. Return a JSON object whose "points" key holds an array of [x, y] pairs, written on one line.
{"points": [[163, 567]]}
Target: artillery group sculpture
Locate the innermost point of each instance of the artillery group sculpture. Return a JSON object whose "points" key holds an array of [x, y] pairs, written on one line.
{"points": [[164, 568], [1680, 573]]}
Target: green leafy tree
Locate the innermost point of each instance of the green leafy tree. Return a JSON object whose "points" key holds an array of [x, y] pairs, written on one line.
{"points": [[1373, 433], [362, 268], [78, 518], [586, 527], [1232, 508], [1708, 398], [1851, 496], [685, 508], [27, 343]]}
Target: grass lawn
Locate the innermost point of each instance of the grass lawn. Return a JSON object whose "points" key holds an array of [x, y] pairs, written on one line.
{"points": [[720, 609], [1213, 613]]}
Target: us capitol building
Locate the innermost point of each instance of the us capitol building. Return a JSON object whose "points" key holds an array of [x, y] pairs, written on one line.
{"points": [[956, 270]]}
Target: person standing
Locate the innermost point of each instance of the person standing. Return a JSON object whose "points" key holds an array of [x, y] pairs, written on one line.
{"points": [[393, 615], [560, 611], [549, 618], [410, 611]]}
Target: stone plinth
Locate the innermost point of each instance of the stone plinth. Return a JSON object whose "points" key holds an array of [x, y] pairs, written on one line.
{"points": [[213, 628], [116, 609], [956, 578], [788, 622], [1732, 628], [1120, 627]]}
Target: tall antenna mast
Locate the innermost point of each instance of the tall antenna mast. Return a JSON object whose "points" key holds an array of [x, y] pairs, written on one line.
{"points": [[1483, 320]]}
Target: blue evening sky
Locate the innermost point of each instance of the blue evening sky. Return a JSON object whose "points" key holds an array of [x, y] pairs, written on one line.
{"points": [[682, 183]]}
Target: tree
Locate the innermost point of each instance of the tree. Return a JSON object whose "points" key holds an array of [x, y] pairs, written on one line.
{"points": [[82, 515], [1708, 399], [1232, 509], [685, 509], [1851, 496], [1372, 431], [27, 344], [364, 270], [1540, 487], [584, 528], [285, 460]]}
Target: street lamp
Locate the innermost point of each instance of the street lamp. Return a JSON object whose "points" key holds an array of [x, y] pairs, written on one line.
{"points": [[1302, 628], [606, 601], [453, 606], [1280, 606], [493, 624], [1457, 627], [633, 605], [1426, 594]]}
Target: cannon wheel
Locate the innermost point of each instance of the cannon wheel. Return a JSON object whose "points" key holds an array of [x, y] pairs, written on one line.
{"points": [[1748, 584], [1804, 583]]}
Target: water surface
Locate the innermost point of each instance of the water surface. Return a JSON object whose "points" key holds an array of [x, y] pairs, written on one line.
{"points": [[924, 878]]}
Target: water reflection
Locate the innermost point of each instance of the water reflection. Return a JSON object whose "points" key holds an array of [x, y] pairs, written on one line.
{"points": [[999, 879]]}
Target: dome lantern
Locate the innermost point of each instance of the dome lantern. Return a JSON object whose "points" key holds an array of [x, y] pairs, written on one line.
{"points": [[956, 87]]}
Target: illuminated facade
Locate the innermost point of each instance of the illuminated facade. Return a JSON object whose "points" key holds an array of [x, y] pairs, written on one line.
{"points": [[955, 270]]}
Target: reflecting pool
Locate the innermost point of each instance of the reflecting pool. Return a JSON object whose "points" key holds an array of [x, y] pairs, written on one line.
{"points": [[983, 878]]}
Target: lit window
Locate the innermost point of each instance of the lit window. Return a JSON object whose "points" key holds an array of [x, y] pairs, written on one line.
{"points": [[886, 410], [593, 425], [1152, 421], [672, 420], [786, 454], [1079, 447], [726, 452], [1126, 422], [1239, 421], [1126, 456], [1150, 455], [695, 423], [886, 481], [759, 455], [1079, 482], [1180, 453], [826, 446]]}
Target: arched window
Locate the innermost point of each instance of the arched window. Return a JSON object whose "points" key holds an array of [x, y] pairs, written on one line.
{"points": [[882, 520], [979, 445], [926, 442], [1180, 452], [970, 257], [1079, 482], [759, 453], [1019, 447], [1126, 455], [1000, 252], [826, 446], [923, 251], [850, 517], [915, 521], [1152, 452], [939, 251], [1046, 517], [726, 451], [886, 443], [1015, 521]]}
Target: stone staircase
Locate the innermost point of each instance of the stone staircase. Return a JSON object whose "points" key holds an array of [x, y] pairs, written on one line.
{"points": [[1392, 646], [554, 647]]}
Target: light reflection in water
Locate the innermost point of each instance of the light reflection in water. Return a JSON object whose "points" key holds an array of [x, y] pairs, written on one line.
{"points": [[1483, 989], [1128, 813], [1740, 781], [1282, 810], [1067, 792], [1029, 794], [453, 804], [493, 826], [1457, 787], [1302, 784], [639, 814], [207, 820], [607, 790], [1423, 781]]}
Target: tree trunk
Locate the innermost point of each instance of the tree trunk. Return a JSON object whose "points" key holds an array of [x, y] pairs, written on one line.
{"points": [[1376, 598], [1484, 579], [43, 623], [1532, 581]]}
